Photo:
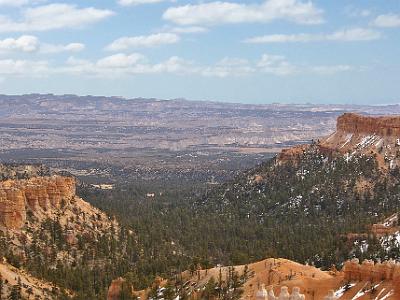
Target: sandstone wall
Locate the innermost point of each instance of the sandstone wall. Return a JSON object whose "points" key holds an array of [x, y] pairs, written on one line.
{"points": [[374, 272], [293, 154], [114, 291], [38, 193], [383, 126]]}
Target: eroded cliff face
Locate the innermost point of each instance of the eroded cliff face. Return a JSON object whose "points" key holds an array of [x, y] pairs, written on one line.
{"points": [[365, 135], [115, 289], [293, 154], [37, 194], [358, 124], [374, 272], [357, 135]]}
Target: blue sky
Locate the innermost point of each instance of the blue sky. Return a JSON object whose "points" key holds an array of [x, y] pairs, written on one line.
{"points": [[289, 51]]}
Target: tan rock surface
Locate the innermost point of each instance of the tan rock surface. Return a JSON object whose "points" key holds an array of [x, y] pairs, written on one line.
{"points": [[35, 194]]}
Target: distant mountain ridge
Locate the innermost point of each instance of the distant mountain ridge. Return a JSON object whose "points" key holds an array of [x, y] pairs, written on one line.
{"points": [[49, 128]]}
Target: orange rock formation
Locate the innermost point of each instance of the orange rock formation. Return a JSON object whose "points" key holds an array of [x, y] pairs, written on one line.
{"points": [[114, 291], [293, 154], [374, 272], [37, 193], [383, 126]]}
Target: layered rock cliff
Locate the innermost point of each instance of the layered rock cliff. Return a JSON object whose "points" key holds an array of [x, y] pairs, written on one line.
{"points": [[357, 135], [371, 271], [377, 136], [17, 197], [358, 124]]}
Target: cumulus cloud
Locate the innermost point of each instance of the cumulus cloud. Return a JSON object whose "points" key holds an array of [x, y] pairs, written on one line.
{"points": [[25, 43], [71, 47], [152, 40], [229, 67], [138, 2], [120, 60], [30, 43], [347, 35], [214, 13], [388, 20], [18, 3], [276, 65], [53, 16], [190, 29], [23, 67], [124, 65], [13, 2]]}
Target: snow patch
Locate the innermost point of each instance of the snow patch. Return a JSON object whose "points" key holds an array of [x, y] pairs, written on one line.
{"points": [[340, 292], [348, 139]]}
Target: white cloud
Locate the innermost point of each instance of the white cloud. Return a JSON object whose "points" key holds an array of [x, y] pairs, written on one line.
{"points": [[190, 29], [23, 67], [120, 60], [121, 64], [218, 12], [388, 20], [279, 66], [25, 43], [229, 67], [276, 65], [53, 16], [13, 2], [348, 35], [18, 3], [137, 2], [30, 43], [71, 47], [152, 40], [125, 65], [354, 34]]}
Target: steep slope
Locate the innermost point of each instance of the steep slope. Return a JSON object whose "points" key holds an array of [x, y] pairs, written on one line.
{"points": [[30, 287], [51, 233], [318, 192]]}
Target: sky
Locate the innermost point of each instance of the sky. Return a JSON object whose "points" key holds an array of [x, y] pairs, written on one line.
{"points": [[253, 51]]}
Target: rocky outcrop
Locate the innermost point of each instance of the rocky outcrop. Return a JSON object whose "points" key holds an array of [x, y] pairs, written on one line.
{"points": [[373, 272], [263, 294], [331, 296], [21, 171], [358, 124], [35, 194], [115, 289], [363, 133], [366, 135], [357, 135], [388, 227], [293, 154]]}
